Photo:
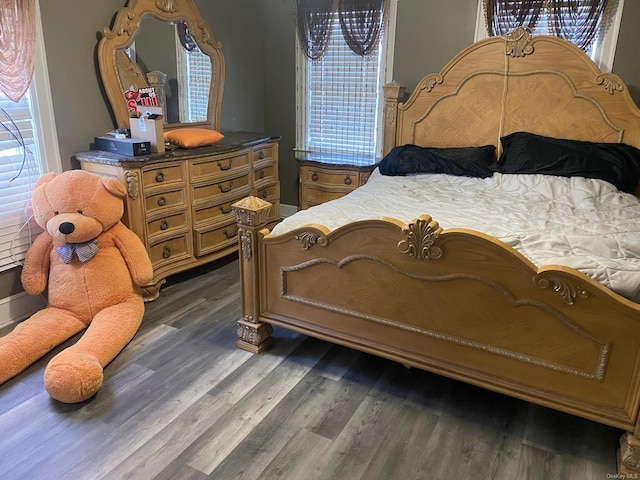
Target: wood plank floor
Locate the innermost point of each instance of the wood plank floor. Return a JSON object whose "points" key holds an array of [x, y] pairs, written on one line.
{"points": [[182, 402]]}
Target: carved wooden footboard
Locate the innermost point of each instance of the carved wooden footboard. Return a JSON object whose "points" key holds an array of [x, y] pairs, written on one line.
{"points": [[457, 302]]}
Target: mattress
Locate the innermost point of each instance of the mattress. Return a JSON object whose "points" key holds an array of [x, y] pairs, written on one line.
{"points": [[586, 224]]}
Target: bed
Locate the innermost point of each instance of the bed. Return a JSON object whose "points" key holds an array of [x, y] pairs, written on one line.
{"points": [[457, 301]]}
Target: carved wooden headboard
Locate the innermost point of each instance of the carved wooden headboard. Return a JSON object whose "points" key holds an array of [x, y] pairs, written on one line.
{"points": [[500, 85]]}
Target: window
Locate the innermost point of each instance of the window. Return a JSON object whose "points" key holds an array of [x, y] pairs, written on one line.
{"points": [[195, 74], [339, 97], [601, 51], [21, 166]]}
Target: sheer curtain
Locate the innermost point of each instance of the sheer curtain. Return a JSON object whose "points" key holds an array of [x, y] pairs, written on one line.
{"points": [[361, 23], [578, 21], [17, 46]]}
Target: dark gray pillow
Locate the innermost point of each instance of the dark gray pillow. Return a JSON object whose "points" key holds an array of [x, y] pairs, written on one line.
{"points": [[462, 161], [617, 163]]}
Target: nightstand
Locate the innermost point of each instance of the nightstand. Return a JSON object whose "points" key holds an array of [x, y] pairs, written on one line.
{"points": [[327, 177]]}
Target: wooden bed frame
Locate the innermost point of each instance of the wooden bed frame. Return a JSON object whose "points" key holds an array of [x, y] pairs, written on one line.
{"points": [[458, 302]]}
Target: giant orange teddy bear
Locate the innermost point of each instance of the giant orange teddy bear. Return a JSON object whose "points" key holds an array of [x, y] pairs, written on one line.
{"points": [[93, 267]]}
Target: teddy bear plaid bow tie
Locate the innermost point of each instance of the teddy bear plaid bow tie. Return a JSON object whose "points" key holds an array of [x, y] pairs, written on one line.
{"points": [[84, 251]]}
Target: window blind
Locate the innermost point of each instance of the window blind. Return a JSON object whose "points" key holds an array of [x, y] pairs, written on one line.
{"points": [[342, 100], [18, 174]]}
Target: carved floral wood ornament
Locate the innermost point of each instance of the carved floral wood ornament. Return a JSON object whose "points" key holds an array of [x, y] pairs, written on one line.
{"points": [[17, 46]]}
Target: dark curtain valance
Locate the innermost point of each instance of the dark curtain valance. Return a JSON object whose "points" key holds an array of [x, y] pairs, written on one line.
{"points": [[505, 15], [361, 22], [578, 21], [314, 25]]}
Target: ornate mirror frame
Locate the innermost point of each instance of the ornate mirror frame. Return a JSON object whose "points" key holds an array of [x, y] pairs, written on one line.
{"points": [[122, 34]]}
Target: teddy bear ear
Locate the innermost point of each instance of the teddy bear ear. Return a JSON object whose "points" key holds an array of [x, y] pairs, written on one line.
{"points": [[114, 186], [46, 178]]}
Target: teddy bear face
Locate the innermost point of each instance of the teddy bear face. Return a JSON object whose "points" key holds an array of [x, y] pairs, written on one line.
{"points": [[77, 206]]}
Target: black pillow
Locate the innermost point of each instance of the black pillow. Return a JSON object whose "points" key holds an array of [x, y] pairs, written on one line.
{"points": [[617, 163], [463, 161]]}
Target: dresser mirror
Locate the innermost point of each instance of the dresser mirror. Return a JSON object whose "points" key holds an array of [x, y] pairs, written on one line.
{"points": [[163, 44]]}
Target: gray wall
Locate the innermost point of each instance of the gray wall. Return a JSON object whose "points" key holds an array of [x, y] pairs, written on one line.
{"points": [[258, 40]]}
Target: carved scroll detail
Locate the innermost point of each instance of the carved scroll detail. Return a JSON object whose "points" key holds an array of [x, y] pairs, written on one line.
{"points": [[169, 6], [421, 234], [255, 334], [629, 454], [610, 83], [308, 239], [567, 290], [246, 243], [517, 42], [430, 81], [133, 185]]}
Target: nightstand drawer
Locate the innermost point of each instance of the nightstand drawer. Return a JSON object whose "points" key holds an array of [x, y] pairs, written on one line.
{"points": [[339, 177]]}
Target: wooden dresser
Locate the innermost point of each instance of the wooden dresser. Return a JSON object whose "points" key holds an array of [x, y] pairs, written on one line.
{"points": [[179, 201], [326, 177]]}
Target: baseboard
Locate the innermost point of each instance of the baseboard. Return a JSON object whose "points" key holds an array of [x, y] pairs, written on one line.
{"points": [[287, 210], [19, 306]]}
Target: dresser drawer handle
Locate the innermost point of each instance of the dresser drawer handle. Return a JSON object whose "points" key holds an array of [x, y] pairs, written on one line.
{"points": [[159, 176], [225, 209], [225, 167], [260, 154], [314, 177], [261, 174], [264, 193], [232, 234], [227, 189], [347, 180], [166, 251], [164, 224], [162, 201]]}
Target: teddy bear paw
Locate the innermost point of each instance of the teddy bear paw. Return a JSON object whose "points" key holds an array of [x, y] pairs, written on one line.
{"points": [[73, 377]]}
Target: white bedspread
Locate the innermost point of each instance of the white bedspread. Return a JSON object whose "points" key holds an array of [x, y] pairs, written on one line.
{"points": [[581, 223]]}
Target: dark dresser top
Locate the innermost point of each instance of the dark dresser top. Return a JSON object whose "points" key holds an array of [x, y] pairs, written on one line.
{"points": [[232, 141]]}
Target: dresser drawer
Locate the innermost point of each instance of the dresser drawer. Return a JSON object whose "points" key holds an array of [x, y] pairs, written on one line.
{"points": [[264, 152], [170, 250], [214, 213], [167, 224], [220, 166], [216, 191], [267, 192], [215, 238], [164, 201], [162, 175], [266, 173]]}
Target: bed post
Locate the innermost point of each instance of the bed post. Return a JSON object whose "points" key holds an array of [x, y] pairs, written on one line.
{"points": [[392, 93], [251, 214]]}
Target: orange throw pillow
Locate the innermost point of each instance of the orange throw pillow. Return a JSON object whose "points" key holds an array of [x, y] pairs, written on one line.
{"points": [[192, 137]]}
